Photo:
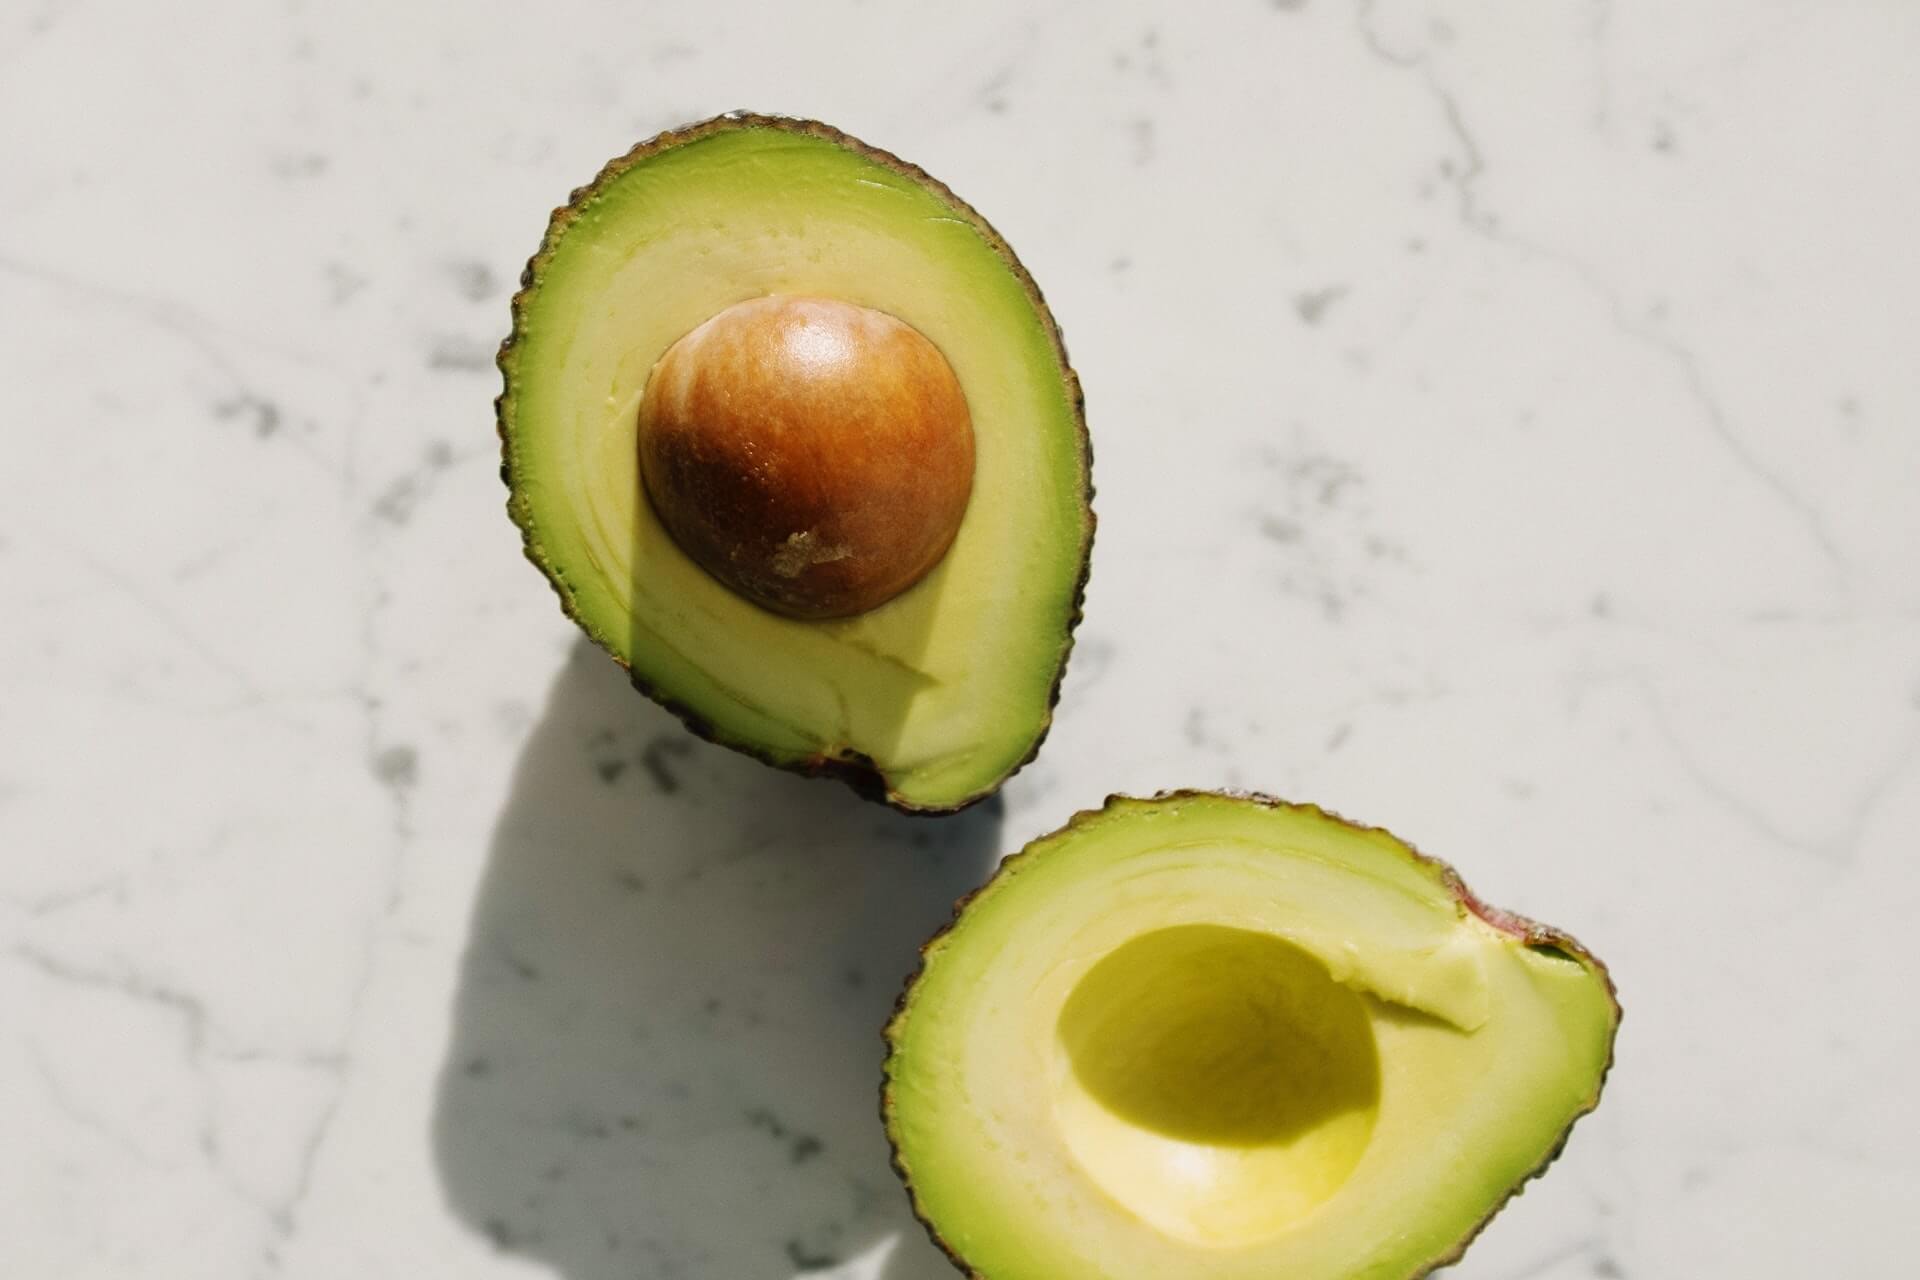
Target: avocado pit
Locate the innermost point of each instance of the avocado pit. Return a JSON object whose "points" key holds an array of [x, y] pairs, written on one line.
{"points": [[814, 456]]}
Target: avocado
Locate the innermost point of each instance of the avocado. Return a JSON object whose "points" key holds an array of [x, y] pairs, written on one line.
{"points": [[1224, 1037], [794, 437]]}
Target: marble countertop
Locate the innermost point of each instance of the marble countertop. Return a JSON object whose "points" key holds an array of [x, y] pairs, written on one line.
{"points": [[1507, 426]]}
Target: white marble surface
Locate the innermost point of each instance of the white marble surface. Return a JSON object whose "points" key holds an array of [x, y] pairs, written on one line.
{"points": [[1507, 426]]}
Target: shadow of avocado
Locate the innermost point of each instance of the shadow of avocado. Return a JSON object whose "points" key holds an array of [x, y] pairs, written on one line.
{"points": [[665, 1054]]}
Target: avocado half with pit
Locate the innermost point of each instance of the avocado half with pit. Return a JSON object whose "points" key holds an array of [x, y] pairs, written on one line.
{"points": [[793, 435], [1225, 1037]]}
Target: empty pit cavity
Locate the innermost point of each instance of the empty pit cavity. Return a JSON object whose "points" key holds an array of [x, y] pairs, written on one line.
{"points": [[1216, 1082]]}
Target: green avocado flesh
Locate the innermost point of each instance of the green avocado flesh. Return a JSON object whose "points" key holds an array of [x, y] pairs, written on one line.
{"points": [[1227, 1038], [933, 698]]}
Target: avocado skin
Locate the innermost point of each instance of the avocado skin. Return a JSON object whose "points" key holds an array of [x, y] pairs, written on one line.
{"points": [[857, 770], [1535, 935]]}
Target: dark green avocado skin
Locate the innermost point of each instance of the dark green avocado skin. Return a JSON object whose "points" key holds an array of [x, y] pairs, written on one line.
{"points": [[858, 771]]}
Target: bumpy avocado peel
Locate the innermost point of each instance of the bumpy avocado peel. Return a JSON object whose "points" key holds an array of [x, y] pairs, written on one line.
{"points": [[858, 770]]}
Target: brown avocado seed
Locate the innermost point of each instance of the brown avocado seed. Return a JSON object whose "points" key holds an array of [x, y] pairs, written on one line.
{"points": [[813, 455]]}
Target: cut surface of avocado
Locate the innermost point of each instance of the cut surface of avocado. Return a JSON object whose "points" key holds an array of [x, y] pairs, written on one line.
{"points": [[930, 699], [1223, 1037]]}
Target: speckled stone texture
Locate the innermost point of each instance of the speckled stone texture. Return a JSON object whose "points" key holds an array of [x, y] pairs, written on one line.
{"points": [[1506, 433]]}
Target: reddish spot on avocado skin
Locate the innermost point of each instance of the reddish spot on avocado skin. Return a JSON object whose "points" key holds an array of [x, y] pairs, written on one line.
{"points": [[1505, 921], [813, 455]]}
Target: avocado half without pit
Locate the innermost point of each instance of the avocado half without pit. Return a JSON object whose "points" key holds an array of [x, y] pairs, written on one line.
{"points": [[1222, 1037], [793, 435]]}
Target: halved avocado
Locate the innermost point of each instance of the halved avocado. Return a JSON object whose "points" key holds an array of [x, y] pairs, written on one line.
{"points": [[1224, 1037], [932, 698]]}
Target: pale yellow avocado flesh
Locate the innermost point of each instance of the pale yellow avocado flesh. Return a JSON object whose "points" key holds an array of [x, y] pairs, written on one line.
{"points": [[1222, 1038], [949, 686]]}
